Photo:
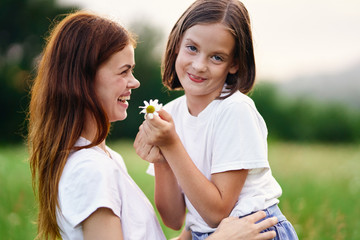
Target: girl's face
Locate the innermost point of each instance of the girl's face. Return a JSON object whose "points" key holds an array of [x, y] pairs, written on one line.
{"points": [[205, 58], [113, 83]]}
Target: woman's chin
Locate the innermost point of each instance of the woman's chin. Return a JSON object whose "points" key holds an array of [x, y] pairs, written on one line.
{"points": [[119, 118]]}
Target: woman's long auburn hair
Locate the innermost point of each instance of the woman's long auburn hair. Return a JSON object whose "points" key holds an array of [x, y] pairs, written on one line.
{"points": [[234, 15], [62, 96]]}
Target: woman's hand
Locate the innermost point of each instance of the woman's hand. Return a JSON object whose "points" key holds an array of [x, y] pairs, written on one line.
{"points": [[146, 151], [245, 228]]}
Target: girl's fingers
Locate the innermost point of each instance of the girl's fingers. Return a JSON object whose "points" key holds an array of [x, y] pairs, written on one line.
{"points": [[164, 115], [155, 155]]}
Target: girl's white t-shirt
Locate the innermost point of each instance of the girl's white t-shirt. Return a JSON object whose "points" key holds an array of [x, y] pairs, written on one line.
{"points": [[91, 180], [227, 135]]}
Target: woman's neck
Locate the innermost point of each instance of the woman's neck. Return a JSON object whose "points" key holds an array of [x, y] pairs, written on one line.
{"points": [[89, 132]]}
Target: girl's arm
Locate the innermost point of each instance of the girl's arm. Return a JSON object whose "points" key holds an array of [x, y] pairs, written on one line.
{"points": [[213, 199], [102, 224], [169, 199]]}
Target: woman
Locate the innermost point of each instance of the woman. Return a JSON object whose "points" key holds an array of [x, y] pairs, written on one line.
{"points": [[83, 83]]}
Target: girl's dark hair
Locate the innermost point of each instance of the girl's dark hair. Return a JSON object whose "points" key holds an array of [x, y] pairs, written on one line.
{"points": [[61, 96], [231, 13]]}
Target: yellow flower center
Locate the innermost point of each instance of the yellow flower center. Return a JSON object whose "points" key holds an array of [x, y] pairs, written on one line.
{"points": [[150, 109]]}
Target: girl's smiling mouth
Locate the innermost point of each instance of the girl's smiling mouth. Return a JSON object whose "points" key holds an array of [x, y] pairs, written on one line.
{"points": [[196, 78]]}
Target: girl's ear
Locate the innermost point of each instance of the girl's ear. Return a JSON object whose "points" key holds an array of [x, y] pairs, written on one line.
{"points": [[234, 67]]}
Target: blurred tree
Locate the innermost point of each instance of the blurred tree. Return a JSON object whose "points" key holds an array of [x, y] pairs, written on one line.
{"points": [[23, 26], [303, 119]]}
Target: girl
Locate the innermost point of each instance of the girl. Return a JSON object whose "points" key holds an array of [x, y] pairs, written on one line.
{"points": [[83, 83], [213, 139]]}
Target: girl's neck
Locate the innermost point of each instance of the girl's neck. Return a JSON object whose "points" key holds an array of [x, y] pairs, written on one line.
{"points": [[197, 104]]}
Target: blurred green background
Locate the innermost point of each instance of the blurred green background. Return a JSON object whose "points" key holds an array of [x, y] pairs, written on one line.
{"points": [[314, 141]]}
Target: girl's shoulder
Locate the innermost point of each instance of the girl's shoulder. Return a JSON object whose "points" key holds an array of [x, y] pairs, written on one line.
{"points": [[237, 101], [176, 104]]}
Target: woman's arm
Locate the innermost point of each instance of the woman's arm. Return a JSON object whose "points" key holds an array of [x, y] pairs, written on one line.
{"points": [[102, 224], [213, 199], [245, 228]]}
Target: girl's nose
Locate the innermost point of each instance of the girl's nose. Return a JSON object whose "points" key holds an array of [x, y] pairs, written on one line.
{"points": [[199, 64]]}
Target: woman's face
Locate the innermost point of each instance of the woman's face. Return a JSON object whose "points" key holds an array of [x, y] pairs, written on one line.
{"points": [[114, 81]]}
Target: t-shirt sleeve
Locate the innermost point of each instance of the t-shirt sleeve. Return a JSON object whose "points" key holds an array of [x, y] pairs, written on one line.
{"points": [[88, 186], [240, 140]]}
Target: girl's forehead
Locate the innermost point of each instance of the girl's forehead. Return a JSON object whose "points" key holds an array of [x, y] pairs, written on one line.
{"points": [[208, 30], [214, 25]]}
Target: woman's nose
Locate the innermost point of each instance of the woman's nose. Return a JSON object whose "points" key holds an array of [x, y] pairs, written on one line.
{"points": [[133, 82]]}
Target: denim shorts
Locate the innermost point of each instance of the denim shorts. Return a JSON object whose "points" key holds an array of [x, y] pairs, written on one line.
{"points": [[284, 230]]}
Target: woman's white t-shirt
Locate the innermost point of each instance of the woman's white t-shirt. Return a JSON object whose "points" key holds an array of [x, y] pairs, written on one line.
{"points": [[227, 135], [91, 180]]}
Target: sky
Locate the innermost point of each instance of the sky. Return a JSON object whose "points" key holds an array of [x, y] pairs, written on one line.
{"points": [[292, 38]]}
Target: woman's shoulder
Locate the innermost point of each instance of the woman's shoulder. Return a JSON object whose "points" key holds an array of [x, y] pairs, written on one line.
{"points": [[87, 162]]}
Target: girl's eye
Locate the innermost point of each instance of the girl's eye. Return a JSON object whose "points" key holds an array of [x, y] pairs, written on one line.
{"points": [[191, 48], [217, 58]]}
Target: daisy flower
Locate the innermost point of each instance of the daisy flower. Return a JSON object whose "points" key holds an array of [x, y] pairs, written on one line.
{"points": [[150, 109]]}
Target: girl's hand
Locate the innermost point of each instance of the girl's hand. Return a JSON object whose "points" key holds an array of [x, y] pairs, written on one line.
{"points": [[146, 151], [160, 130]]}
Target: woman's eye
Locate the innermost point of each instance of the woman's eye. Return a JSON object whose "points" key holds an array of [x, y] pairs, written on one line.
{"points": [[125, 72]]}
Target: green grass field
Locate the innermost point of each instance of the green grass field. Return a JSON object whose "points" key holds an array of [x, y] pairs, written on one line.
{"points": [[321, 189]]}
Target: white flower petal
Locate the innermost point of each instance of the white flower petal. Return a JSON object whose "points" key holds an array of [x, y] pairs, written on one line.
{"points": [[154, 103]]}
